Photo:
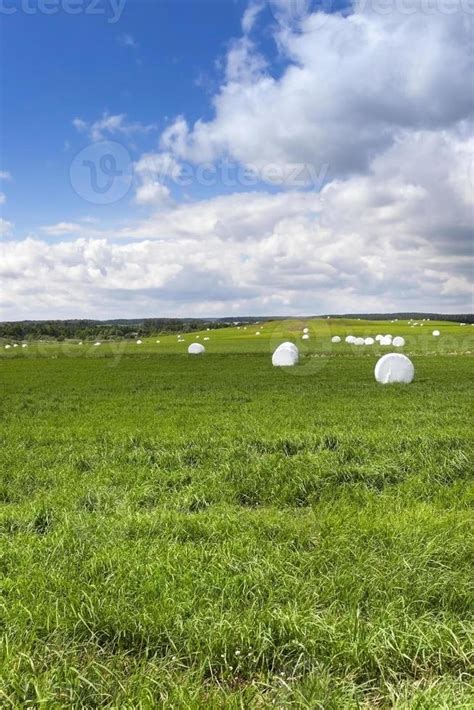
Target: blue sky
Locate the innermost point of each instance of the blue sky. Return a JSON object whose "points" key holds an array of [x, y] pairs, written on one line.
{"points": [[152, 64], [281, 156]]}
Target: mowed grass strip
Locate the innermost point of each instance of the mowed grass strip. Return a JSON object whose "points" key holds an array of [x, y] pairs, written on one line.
{"points": [[214, 532]]}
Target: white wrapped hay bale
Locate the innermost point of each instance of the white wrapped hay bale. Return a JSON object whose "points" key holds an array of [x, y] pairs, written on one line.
{"points": [[139, 342], [305, 331], [394, 367], [369, 341], [196, 349], [291, 346], [305, 336], [286, 355], [378, 337], [335, 339], [257, 333], [24, 345], [436, 333], [358, 341], [350, 339], [7, 347], [398, 341], [386, 340]]}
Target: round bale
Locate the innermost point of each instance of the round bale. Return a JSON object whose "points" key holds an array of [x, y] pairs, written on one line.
{"points": [[286, 355], [394, 367], [196, 349]]}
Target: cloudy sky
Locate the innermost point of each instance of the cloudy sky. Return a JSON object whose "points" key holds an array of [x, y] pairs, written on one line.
{"points": [[220, 157]]}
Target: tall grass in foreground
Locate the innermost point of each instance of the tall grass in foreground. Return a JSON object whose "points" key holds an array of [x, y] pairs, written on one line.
{"points": [[214, 533]]}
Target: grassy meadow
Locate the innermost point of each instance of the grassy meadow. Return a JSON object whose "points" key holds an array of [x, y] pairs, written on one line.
{"points": [[213, 532]]}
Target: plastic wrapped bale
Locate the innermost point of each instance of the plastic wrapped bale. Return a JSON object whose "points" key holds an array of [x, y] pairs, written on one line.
{"points": [[378, 337], [96, 345], [206, 338], [350, 339], [358, 341], [24, 345], [436, 333], [335, 339], [7, 347], [286, 355], [257, 333], [196, 349], [398, 341], [291, 346], [394, 367], [305, 336], [139, 342], [158, 342], [305, 331], [386, 340], [369, 341]]}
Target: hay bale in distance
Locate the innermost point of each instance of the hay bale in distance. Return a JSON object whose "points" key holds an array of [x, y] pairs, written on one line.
{"points": [[436, 333], [369, 341], [394, 367], [398, 341], [335, 339], [196, 349], [286, 355]]}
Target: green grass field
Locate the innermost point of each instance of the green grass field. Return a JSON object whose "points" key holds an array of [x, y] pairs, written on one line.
{"points": [[213, 532]]}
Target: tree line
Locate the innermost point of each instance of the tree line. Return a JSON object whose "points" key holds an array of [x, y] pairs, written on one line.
{"points": [[109, 330]]}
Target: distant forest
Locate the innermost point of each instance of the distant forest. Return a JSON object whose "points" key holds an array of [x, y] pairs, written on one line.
{"points": [[104, 330], [119, 329]]}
